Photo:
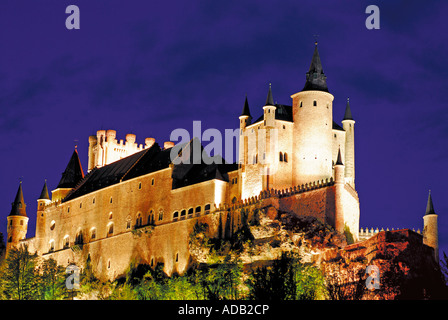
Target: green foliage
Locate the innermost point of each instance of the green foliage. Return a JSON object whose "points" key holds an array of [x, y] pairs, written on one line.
{"points": [[348, 235], [286, 279]]}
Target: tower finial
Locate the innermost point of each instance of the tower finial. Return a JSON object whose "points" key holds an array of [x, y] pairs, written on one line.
{"points": [[269, 99]]}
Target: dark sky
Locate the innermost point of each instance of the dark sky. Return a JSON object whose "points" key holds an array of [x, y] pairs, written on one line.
{"points": [[149, 67]]}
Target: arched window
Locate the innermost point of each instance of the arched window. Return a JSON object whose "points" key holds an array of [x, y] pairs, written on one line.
{"points": [[93, 234], [280, 157], [139, 220], [207, 208], [110, 228], [198, 211], [175, 215], [51, 248], [285, 157], [183, 213], [190, 212]]}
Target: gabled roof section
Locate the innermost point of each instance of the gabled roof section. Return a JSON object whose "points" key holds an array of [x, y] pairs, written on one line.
{"points": [[111, 174], [73, 172], [315, 77], [337, 127], [18, 206]]}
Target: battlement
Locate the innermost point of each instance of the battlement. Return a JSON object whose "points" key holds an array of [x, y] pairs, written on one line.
{"points": [[104, 148], [367, 233]]}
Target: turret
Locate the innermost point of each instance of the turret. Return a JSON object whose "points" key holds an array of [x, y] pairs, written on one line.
{"points": [[269, 110], [430, 228], [339, 182], [44, 199], [313, 123], [349, 126], [17, 220]]}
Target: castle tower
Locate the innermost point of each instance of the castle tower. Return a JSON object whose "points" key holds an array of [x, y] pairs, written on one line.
{"points": [[339, 182], [349, 126], [430, 228], [70, 177], [245, 120], [17, 220], [269, 110], [44, 199], [313, 122]]}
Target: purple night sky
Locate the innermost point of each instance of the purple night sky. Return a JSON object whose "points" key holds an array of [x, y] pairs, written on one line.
{"points": [[149, 67]]}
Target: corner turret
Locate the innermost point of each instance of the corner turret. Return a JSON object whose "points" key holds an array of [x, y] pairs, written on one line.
{"points": [[348, 124], [430, 228], [269, 110], [72, 175], [17, 220]]}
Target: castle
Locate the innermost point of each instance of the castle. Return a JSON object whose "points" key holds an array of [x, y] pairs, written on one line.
{"points": [[136, 204]]}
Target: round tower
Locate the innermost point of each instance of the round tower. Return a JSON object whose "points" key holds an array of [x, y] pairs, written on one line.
{"points": [[313, 123], [430, 228], [245, 120], [93, 141], [339, 182], [44, 200], [269, 110], [349, 126], [17, 221]]}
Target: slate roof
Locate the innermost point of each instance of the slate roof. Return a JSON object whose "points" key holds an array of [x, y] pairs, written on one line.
{"points": [[147, 161], [429, 205], [18, 206], [44, 193], [73, 172], [315, 77]]}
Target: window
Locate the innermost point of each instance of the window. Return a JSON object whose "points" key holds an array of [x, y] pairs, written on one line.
{"points": [[300, 104], [66, 242], [128, 225], [52, 225], [182, 214], [93, 200], [190, 212], [110, 201], [160, 214], [198, 210], [152, 181], [93, 233], [79, 238], [150, 218], [177, 257], [140, 186], [108, 264], [175, 215], [110, 215], [315, 103], [285, 157], [207, 208], [80, 205], [139, 220], [51, 249], [110, 229], [280, 158], [21, 222], [68, 209]]}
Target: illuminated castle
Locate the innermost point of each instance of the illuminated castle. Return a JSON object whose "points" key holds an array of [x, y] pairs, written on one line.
{"points": [[135, 204]]}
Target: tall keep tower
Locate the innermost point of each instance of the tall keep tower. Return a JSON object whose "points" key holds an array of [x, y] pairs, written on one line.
{"points": [[17, 220], [313, 119]]}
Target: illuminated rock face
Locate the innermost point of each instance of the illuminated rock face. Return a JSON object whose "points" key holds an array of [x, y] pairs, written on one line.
{"points": [[136, 205]]}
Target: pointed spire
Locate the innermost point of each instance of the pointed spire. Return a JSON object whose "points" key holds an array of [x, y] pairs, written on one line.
{"points": [[429, 205], [315, 77], [18, 206], [348, 112], [73, 173], [246, 111], [339, 160], [270, 99], [44, 193]]}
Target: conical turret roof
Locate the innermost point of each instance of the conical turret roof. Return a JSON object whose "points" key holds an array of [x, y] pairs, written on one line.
{"points": [[73, 172], [429, 205], [270, 99], [348, 111], [315, 77], [18, 206], [44, 193], [339, 160], [246, 111]]}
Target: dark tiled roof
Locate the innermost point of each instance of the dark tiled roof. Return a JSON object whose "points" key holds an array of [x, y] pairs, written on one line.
{"points": [[337, 127], [429, 205], [246, 111], [315, 77], [18, 206], [283, 112], [269, 98], [44, 193], [348, 112], [147, 161], [73, 172]]}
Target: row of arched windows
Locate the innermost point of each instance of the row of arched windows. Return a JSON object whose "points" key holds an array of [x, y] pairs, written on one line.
{"points": [[182, 214]]}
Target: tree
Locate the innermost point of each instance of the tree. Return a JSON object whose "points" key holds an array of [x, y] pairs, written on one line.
{"points": [[19, 277], [51, 280]]}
